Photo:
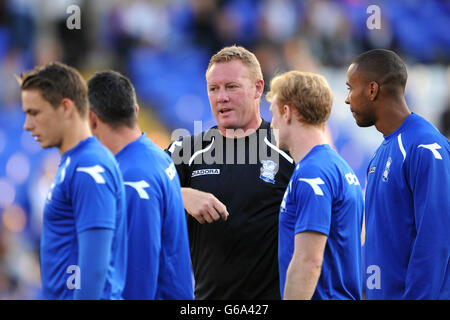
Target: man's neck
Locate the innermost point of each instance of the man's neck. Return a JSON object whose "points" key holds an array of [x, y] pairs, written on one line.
{"points": [[78, 132], [304, 139], [241, 132], [119, 138], [392, 116]]}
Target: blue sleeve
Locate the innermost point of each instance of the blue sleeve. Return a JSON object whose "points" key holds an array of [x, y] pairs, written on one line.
{"points": [[94, 252], [429, 181], [175, 283], [314, 204], [93, 197]]}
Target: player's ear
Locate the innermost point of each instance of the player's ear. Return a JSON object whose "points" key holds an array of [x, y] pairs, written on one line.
{"points": [[287, 113], [372, 90], [259, 84], [137, 109], [68, 107]]}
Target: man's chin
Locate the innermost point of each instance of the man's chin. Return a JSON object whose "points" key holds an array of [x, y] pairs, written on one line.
{"points": [[227, 125], [364, 124], [46, 145]]}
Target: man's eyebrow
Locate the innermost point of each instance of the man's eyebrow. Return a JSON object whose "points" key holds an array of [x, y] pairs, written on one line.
{"points": [[28, 110]]}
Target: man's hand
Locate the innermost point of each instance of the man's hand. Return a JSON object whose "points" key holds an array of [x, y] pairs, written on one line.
{"points": [[203, 206]]}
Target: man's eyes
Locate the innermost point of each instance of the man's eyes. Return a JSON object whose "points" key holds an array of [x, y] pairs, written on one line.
{"points": [[229, 86]]}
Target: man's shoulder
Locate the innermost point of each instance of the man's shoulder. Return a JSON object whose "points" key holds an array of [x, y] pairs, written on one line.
{"points": [[421, 139], [313, 167], [183, 150], [326, 164], [143, 152], [93, 152], [95, 160], [421, 131], [188, 141], [147, 163]]}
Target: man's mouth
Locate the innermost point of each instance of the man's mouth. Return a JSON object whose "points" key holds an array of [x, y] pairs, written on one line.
{"points": [[225, 110]]}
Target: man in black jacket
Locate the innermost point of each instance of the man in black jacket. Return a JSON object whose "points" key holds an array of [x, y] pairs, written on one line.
{"points": [[233, 179]]}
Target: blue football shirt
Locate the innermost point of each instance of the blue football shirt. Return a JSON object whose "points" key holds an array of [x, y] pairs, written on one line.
{"points": [[87, 193], [324, 195], [408, 215], [159, 265]]}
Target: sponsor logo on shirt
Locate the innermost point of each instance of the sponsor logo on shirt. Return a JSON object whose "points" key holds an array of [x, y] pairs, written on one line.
{"points": [[314, 183], [434, 147], [268, 170], [140, 187], [204, 172], [171, 171], [95, 172], [352, 179]]}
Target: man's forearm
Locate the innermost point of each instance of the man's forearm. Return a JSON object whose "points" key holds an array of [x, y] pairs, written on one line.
{"points": [[94, 256], [301, 280]]}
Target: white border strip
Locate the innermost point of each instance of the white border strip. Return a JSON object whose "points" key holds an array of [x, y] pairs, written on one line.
{"points": [[201, 151], [284, 154], [400, 144]]}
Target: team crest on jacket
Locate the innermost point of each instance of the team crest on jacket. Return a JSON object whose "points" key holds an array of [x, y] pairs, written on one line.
{"points": [[386, 169], [268, 170]]}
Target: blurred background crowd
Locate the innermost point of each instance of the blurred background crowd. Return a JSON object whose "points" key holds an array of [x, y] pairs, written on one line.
{"points": [[164, 47]]}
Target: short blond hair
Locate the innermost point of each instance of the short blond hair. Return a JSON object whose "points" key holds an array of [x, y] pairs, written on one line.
{"points": [[238, 53], [308, 93]]}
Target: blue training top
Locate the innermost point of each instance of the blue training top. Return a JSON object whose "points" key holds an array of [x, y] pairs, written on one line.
{"points": [[324, 195], [159, 265], [408, 215], [87, 193]]}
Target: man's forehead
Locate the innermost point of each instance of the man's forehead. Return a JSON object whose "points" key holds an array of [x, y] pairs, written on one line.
{"points": [[352, 70], [33, 99], [32, 94], [228, 69]]}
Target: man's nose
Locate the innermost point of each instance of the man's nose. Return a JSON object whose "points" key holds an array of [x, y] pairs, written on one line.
{"points": [[27, 124], [347, 100], [222, 95]]}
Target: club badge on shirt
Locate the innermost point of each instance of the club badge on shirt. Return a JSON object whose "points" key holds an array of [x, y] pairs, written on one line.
{"points": [[268, 170], [386, 169]]}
